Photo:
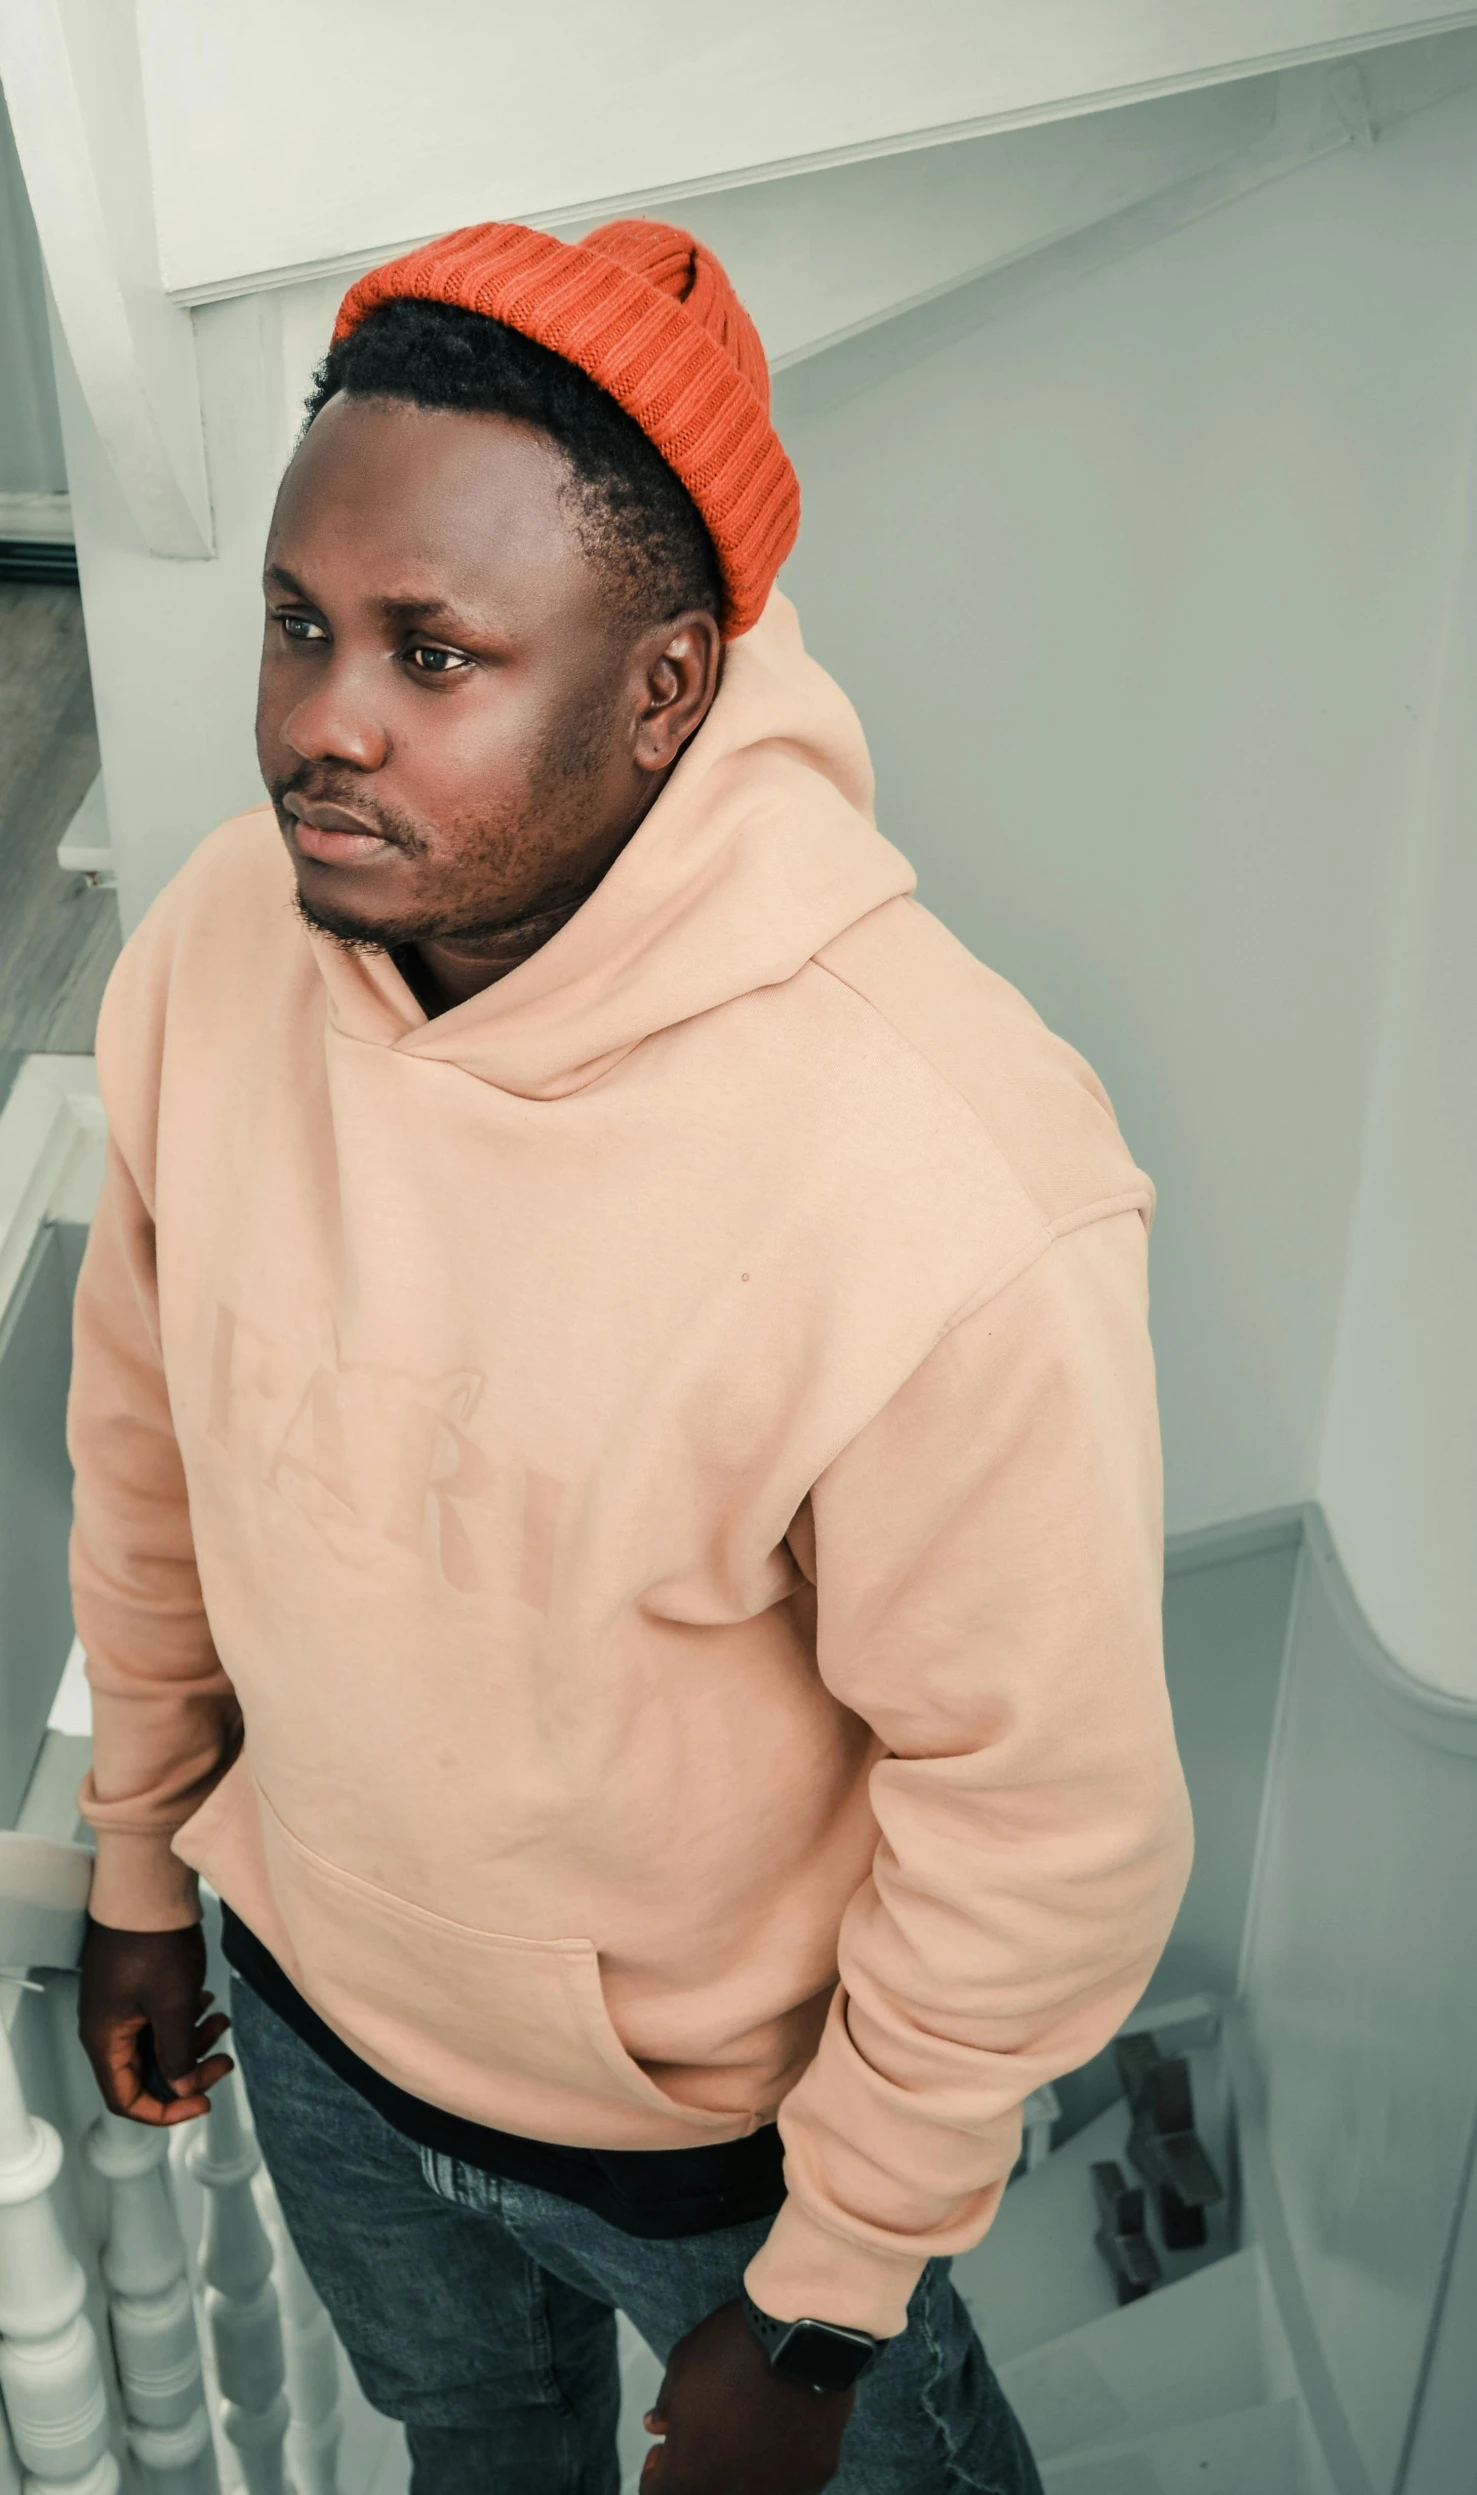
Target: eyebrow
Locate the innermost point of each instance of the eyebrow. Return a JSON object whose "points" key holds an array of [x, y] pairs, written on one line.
{"points": [[402, 610], [423, 611], [286, 580]]}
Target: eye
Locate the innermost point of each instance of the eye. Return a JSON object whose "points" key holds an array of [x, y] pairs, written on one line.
{"points": [[301, 628], [428, 659]]}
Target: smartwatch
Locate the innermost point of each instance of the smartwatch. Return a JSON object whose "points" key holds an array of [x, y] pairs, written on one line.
{"points": [[823, 2356]]}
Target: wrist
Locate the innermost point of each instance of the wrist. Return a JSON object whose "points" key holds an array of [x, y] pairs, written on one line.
{"points": [[139, 1884]]}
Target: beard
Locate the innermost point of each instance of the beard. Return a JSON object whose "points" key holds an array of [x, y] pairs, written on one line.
{"points": [[401, 934]]}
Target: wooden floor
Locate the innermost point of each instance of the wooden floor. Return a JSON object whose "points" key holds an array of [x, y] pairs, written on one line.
{"points": [[58, 936]]}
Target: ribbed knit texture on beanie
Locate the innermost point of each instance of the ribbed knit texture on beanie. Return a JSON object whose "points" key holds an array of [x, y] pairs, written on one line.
{"points": [[650, 315]]}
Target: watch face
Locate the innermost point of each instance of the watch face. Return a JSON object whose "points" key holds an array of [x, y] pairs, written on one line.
{"points": [[824, 2358]]}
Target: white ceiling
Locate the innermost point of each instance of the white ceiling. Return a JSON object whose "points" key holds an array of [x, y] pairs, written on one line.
{"points": [[289, 137]]}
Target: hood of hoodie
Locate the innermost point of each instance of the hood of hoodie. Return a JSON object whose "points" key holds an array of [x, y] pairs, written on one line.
{"points": [[761, 848]]}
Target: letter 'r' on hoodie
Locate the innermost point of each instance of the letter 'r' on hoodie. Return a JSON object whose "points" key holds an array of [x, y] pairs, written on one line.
{"points": [[620, 1526]]}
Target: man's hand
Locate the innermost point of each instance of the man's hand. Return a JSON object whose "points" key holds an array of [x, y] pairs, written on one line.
{"points": [[141, 2016], [732, 2427]]}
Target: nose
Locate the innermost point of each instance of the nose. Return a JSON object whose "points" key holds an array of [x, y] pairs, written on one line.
{"points": [[338, 722]]}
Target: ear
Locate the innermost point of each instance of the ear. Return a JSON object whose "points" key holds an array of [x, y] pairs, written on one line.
{"points": [[680, 666]]}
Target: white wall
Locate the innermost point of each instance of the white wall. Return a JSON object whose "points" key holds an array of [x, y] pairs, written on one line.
{"points": [[174, 645], [1142, 589], [1359, 2002], [30, 436], [1399, 1456], [1141, 594]]}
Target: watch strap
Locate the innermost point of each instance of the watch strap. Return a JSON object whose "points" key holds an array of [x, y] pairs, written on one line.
{"points": [[848, 2351], [769, 2333]]}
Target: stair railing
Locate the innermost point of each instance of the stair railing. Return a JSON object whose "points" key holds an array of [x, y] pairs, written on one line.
{"points": [[310, 2345], [151, 2309], [51, 2373], [241, 2308], [274, 2357]]}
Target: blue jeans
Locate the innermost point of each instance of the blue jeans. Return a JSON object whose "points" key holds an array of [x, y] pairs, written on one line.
{"points": [[481, 2313]]}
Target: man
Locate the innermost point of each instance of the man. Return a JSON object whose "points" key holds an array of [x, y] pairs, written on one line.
{"points": [[617, 1472]]}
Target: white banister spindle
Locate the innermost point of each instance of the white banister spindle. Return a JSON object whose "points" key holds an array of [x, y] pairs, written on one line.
{"points": [[10, 2468], [240, 2298], [310, 2348], [311, 2351], [51, 2375], [153, 2313], [176, 2460]]}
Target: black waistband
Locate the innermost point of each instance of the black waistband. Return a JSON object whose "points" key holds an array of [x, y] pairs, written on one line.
{"points": [[652, 2192]]}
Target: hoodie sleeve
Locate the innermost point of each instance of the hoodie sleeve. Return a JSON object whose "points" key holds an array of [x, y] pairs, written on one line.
{"points": [[164, 1715], [988, 1559]]}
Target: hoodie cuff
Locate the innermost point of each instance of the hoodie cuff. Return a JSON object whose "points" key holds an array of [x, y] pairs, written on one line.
{"points": [[804, 2272], [138, 1885]]}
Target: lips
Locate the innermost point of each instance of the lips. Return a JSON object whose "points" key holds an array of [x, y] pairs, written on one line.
{"points": [[330, 848], [333, 837]]}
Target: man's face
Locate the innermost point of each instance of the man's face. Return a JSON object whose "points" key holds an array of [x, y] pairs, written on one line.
{"points": [[453, 723]]}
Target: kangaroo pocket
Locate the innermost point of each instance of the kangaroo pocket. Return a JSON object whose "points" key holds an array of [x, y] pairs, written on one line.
{"points": [[503, 2030]]}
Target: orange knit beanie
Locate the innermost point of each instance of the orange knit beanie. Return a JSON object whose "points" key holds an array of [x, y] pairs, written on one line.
{"points": [[649, 315]]}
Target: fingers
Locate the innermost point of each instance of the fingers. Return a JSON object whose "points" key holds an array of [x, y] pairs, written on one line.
{"points": [[175, 2029], [131, 2086], [119, 2065], [121, 2078], [145, 2107], [189, 2096], [655, 2422], [142, 2018]]}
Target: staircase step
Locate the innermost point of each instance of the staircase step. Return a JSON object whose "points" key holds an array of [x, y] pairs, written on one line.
{"points": [[1248, 2451], [1189, 2351], [1038, 2273]]}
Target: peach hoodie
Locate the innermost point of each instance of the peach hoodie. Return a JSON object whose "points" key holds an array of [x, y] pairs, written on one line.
{"points": [[601, 1509]]}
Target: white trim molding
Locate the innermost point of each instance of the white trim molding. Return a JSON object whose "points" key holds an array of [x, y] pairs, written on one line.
{"points": [[40, 519], [52, 1139], [71, 77], [86, 846]]}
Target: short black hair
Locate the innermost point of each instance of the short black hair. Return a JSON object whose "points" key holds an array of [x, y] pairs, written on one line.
{"points": [[636, 516]]}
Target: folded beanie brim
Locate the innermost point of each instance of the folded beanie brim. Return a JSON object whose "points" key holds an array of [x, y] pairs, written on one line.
{"points": [[673, 373]]}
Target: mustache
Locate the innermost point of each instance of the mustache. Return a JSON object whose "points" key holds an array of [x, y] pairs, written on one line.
{"points": [[329, 788]]}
